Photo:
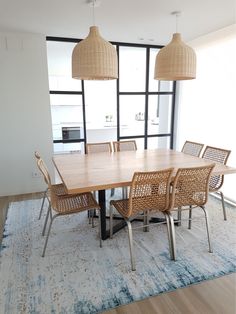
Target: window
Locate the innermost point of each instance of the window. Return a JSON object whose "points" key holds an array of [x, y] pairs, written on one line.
{"points": [[133, 107]]}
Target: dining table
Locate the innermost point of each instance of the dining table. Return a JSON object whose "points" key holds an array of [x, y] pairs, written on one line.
{"points": [[102, 171]]}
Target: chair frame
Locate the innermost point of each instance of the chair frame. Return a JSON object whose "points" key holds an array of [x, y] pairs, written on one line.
{"points": [[193, 145], [89, 147], [38, 157], [189, 201], [133, 211], [117, 144], [55, 199], [220, 178]]}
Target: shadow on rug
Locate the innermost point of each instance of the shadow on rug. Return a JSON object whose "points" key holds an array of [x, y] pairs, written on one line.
{"points": [[77, 276]]}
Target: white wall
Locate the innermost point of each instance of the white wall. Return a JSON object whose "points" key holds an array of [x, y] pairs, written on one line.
{"points": [[207, 104], [25, 118]]}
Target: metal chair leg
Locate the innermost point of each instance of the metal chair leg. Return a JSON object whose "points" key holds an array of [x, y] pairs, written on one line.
{"points": [[190, 217], [223, 204], [172, 234], [125, 192], [93, 212], [169, 235], [49, 229], [179, 215], [89, 216], [146, 221], [42, 205], [46, 220], [111, 221], [100, 229], [207, 228], [131, 245]]}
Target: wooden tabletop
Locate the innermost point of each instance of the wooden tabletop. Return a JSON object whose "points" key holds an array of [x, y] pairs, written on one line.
{"points": [[101, 171]]}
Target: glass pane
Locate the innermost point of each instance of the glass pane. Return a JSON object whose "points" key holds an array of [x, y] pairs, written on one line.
{"points": [[159, 114], [158, 142], [67, 112], [101, 118], [132, 114], [156, 85], [59, 66], [132, 69], [68, 148]]}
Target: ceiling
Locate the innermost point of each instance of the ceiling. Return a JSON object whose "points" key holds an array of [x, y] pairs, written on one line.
{"points": [[136, 21]]}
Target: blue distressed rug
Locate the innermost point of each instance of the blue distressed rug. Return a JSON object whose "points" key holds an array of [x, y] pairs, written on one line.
{"points": [[77, 276]]}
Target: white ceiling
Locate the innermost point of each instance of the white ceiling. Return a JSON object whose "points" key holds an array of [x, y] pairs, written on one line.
{"points": [[118, 20]]}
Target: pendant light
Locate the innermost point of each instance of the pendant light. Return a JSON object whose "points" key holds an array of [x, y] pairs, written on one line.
{"points": [[94, 58], [176, 61]]}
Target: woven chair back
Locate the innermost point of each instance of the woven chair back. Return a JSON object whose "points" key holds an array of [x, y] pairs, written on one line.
{"points": [[43, 169], [124, 146], [149, 191], [192, 148], [92, 148], [191, 186], [219, 155]]}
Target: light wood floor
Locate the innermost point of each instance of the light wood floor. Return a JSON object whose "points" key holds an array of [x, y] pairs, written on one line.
{"points": [[217, 296]]}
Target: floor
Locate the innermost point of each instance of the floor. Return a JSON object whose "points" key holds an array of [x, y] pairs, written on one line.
{"points": [[210, 297]]}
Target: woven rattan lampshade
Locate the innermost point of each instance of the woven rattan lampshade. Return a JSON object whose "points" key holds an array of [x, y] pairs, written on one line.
{"points": [[94, 58], [176, 61]]}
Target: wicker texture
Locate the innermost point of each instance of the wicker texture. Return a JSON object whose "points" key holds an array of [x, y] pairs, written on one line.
{"points": [[176, 61], [65, 203], [191, 186], [120, 146], [59, 188], [98, 148], [192, 148], [73, 204], [218, 155], [149, 192], [94, 58]]}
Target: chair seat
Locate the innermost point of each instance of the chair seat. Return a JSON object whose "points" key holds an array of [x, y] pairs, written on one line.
{"points": [[121, 206], [59, 189], [75, 203]]}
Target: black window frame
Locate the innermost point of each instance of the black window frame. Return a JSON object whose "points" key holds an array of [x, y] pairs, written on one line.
{"points": [[119, 93]]}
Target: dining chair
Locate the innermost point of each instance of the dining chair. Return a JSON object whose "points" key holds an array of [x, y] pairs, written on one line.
{"points": [[120, 146], [149, 192], [93, 148], [219, 155], [192, 148], [124, 145], [58, 188], [61, 205], [98, 147], [189, 189]]}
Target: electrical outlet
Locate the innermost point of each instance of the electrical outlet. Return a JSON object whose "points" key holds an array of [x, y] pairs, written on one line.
{"points": [[36, 174]]}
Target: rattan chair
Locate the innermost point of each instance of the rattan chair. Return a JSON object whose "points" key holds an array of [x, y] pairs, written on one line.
{"points": [[104, 147], [63, 205], [216, 182], [58, 188], [189, 189], [192, 148], [124, 146], [149, 192], [121, 146], [93, 148]]}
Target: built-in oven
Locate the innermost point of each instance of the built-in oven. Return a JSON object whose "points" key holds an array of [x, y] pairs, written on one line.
{"points": [[71, 133]]}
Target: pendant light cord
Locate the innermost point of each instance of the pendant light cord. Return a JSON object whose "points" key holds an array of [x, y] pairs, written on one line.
{"points": [[93, 13], [177, 15], [176, 22]]}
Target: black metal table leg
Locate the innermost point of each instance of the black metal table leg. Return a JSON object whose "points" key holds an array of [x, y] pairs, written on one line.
{"points": [[102, 203], [104, 232]]}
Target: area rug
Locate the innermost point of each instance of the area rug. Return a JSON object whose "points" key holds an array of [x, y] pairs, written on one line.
{"points": [[77, 276]]}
